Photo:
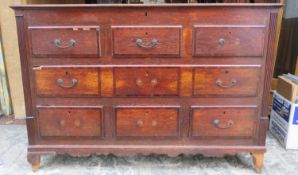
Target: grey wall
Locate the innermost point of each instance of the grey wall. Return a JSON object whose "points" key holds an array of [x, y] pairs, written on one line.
{"points": [[291, 9]]}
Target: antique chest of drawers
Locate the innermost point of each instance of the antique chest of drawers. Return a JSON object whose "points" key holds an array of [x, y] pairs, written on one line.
{"points": [[165, 79]]}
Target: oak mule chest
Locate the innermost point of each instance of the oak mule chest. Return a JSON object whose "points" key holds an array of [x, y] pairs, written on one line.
{"points": [[166, 79]]}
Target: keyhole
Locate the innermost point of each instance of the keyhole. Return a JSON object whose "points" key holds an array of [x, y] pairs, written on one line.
{"points": [[66, 73], [224, 112], [146, 13], [146, 33], [226, 72]]}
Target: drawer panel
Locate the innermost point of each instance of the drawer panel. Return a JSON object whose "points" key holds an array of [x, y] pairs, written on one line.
{"points": [[146, 81], [58, 81], [65, 121], [213, 40], [146, 41], [81, 41], [226, 81], [226, 121], [154, 122]]}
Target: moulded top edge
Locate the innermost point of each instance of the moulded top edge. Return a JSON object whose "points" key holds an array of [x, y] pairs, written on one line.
{"points": [[37, 6]]}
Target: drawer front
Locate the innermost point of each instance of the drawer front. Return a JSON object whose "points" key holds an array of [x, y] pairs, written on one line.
{"points": [[146, 81], [227, 121], [154, 122], [81, 122], [226, 81], [228, 40], [65, 42], [149, 41], [55, 81]]}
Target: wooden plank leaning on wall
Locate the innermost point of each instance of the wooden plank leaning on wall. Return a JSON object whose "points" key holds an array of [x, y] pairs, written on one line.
{"points": [[5, 105]]}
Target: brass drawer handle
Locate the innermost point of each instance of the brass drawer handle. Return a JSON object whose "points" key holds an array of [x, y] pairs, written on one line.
{"points": [[221, 41], [140, 43], [60, 83], [217, 124], [71, 43], [220, 83]]}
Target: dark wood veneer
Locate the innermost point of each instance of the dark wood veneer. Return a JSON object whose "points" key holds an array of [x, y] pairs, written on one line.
{"points": [[167, 38], [70, 122], [229, 40], [86, 41], [57, 81], [146, 81], [226, 81], [147, 121], [232, 121], [170, 98]]}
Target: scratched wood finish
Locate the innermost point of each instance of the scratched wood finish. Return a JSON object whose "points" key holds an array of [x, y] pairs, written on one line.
{"points": [[107, 82], [226, 81], [146, 81], [85, 38], [73, 81], [175, 79], [79, 122], [142, 122], [168, 41], [186, 81], [229, 40], [232, 122]]}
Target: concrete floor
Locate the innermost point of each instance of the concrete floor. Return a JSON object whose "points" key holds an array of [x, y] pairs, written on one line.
{"points": [[13, 141]]}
